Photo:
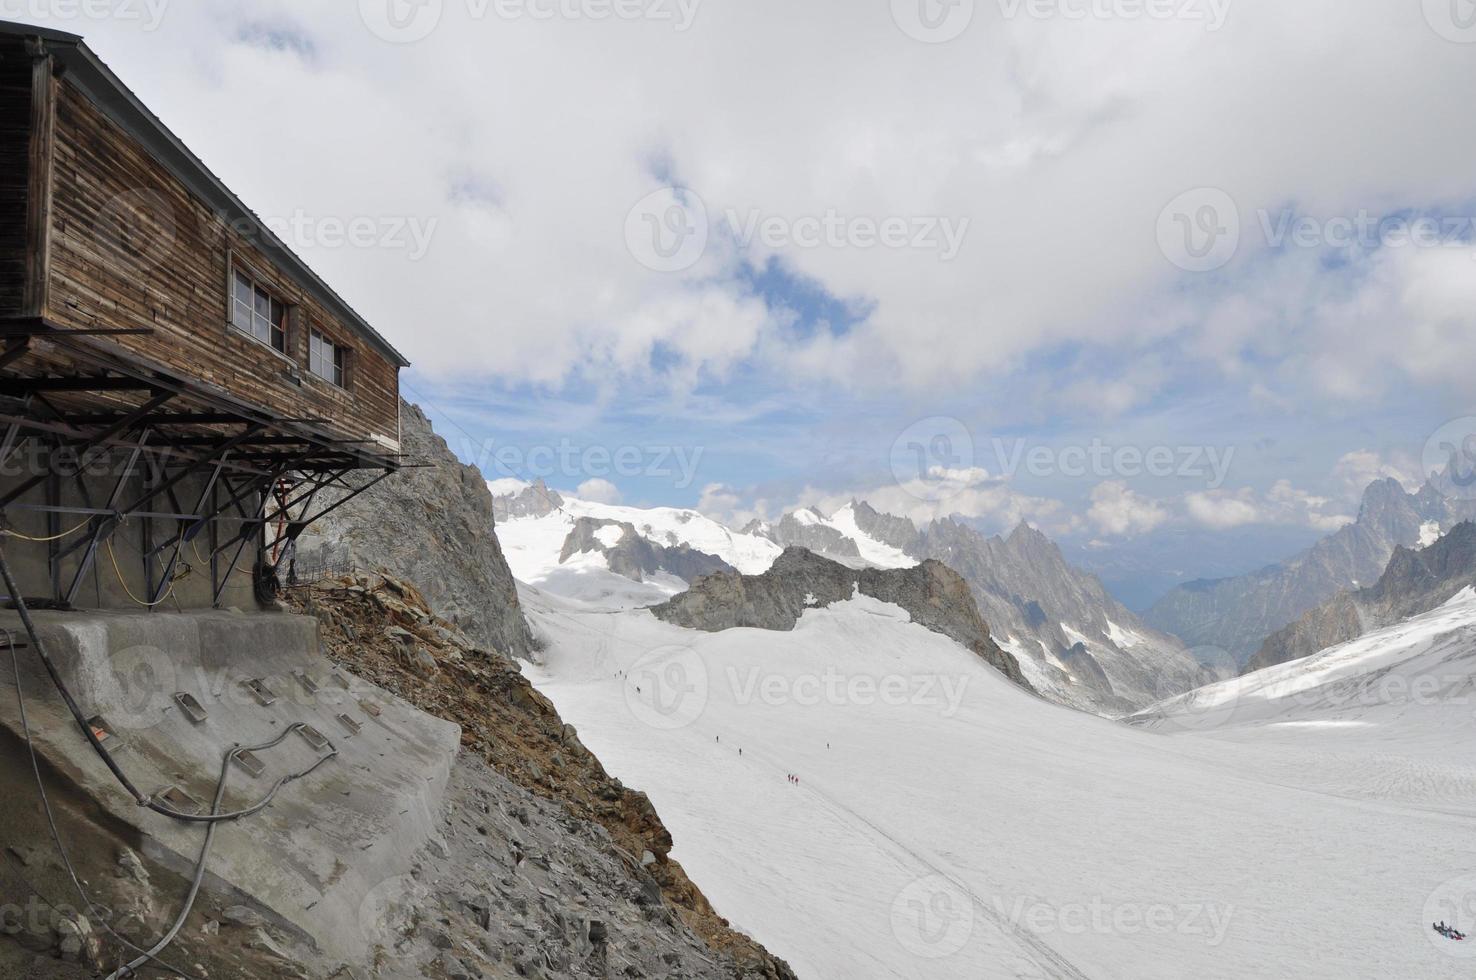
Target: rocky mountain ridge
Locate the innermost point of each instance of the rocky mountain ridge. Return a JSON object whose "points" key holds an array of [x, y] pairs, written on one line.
{"points": [[431, 524], [1238, 614], [1416, 581], [1076, 643], [933, 594]]}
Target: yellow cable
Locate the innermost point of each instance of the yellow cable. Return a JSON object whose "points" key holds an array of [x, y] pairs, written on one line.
{"points": [[119, 573], [11, 533]]}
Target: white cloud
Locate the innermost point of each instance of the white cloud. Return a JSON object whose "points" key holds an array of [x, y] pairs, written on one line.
{"points": [[1117, 510], [598, 491], [528, 142], [967, 493], [1282, 504], [1356, 470]]}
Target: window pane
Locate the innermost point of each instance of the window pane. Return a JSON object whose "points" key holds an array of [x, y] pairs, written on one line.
{"points": [[263, 302], [279, 339], [241, 315], [243, 288]]}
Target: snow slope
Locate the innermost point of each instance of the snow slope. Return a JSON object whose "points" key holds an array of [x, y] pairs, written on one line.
{"points": [[949, 825]]}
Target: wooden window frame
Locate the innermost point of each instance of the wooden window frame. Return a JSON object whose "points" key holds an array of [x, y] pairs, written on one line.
{"points": [[259, 287], [342, 358]]}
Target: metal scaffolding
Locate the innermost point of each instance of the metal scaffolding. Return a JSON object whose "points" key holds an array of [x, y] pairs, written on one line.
{"points": [[259, 480]]}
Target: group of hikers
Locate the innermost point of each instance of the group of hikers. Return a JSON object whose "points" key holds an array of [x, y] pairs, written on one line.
{"points": [[1449, 932], [793, 779]]}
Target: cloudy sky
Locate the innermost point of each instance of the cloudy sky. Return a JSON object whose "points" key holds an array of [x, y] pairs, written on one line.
{"points": [[1118, 267]]}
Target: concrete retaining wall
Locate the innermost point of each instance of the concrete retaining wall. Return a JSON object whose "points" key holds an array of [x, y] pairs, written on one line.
{"points": [[319, 857]]}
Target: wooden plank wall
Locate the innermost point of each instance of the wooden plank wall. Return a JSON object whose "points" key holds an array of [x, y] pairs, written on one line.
{"points": [[15, 128], [132, 247]]}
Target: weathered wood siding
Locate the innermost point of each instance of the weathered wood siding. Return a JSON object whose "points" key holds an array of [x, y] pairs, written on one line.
{"points": [[133, 247], [15, 130]]}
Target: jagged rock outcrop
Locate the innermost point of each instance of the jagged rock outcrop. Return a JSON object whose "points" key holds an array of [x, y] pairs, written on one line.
{"points": [[534, 500], [1416, 581], [933, 594], [1238, 614], [431, 525], [635, 556], [899, 532], [1036, 601], [1086, 670], [1039, 606]]}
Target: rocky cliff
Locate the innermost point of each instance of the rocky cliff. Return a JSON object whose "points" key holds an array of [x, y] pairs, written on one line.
{"points": [[1416, 581], [1076, 644], [1238, 614], [550, 866], [431, 524], [933, 594]]}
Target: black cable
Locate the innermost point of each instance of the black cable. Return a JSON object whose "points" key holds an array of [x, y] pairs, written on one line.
{"points": [[51, 817], [97, 746]]}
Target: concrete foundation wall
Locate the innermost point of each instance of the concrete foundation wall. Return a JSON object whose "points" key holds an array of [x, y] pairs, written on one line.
{"points": [[324, 853], [42, 572]]}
